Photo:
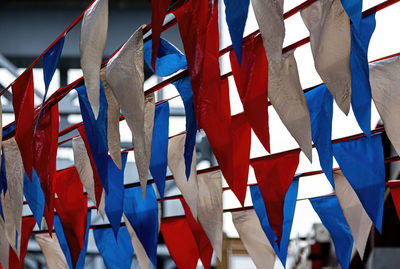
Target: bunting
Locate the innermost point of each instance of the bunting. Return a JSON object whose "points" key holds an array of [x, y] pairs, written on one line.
{"points": [[34, 196], [92, 44], [17, 261], [51, 251], [4, 246], [395, 192]]}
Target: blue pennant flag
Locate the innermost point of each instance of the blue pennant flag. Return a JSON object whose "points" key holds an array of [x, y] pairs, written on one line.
{"points": [[185, 90], [9, 130], [159, 146], [288, 213], [96, 132], [50, 62], [114, 199], [169, 59], [331, 215], [116, 254], [34, 196], [3, 177], [320, 105], [363, 165], [143, 216], [64, 245], [236, 16], [353, 9]]}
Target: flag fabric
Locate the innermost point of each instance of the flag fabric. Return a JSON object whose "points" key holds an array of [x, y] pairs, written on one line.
{"points": [[359, 223], [236, 16], [331, 215], [330, 39], [116, 252], [289, 207], [395, 192], [210, 208], [34, 196], [114, 199], [17, 260], [159, 146], [176, 163], [92, 43], [320, 105], [384, 85], [253, 238], [274, 177], [355, 158], [143, 217], [52, 251], [4, 246]]}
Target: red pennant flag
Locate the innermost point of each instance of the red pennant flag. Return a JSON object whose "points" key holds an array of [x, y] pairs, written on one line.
{"points": [[22, 91], [26, 228], [71, 207], [158, 11], [98, 187], [251, 80], [395, 192], [274, 176]]}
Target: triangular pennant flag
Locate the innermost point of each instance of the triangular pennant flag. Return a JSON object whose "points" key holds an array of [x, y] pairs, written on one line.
{"points": [[125, 75], [143, 217], [210, 208], [252, 83], [185, 91], [92, 44], [384, 80], [159, 146], [71, 207], [360, 86], [180, 242], [113, 114], [176, 163], [116, 253], [27, 226], [52, 251], [169, 58], [320, 105], [114, 199], [34, 196], [395, 192], [12, 201], [203, 243], [158, 12], [236, 15], [96, 132], [274, 176], [330, 40], [4, 246], [331, 215], [140, 252], [356, 158], [3, 176], [359, 222], [289, 207], [253, 238], [22, 91]]}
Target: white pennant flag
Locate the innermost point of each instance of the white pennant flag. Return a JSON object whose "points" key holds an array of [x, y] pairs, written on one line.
{"points": [[92, 44], [330, 40], [12, 202], [52, 252], [254, 239], [125, 75], [210, 208], [385, 80], [357, 218], [4, 245], [176, 163]]}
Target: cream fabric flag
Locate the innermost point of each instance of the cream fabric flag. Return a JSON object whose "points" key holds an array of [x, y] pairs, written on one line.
{"points": [[149, 111], [52, 252], [124, 74], [92, 44], [385, 80], [113, 137], [176, 163], [209, 211], [359, 222], [254, 239], [4, 245], [330, 40], [140, 252], [12, 202]]}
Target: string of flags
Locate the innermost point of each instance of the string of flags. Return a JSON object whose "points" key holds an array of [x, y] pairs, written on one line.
{"points": [[58, 199]]}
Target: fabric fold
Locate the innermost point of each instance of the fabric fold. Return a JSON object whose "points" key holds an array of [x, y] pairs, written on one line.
{"points": [[92, 43], [330, 39], [253, 238], [52, 251]]}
